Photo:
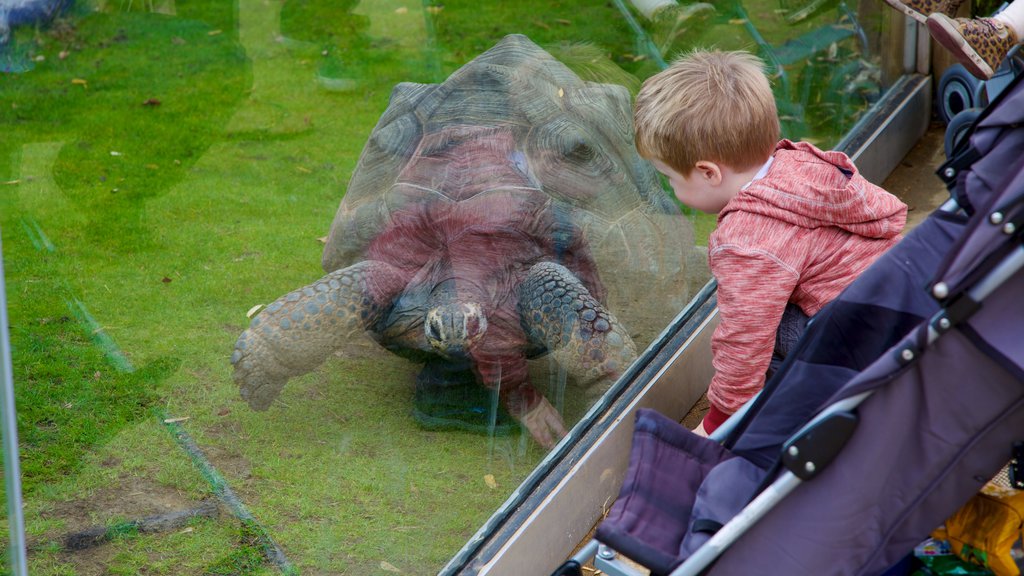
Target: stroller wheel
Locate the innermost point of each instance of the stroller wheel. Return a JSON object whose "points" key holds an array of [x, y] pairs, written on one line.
{"points": [[958, 127], [958, 91]]}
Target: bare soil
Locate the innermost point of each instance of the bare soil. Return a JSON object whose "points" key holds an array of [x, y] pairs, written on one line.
{"points": [[915, 181], [130, 498]]}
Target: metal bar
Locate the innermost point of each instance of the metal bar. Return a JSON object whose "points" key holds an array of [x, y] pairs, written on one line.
{"points": [[1000, 274], [736, 527], [586, 553], [1005, 270], [12, 466], [608, 561]]}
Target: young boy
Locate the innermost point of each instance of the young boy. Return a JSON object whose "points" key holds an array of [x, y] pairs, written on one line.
{"points": [[795, 224]]}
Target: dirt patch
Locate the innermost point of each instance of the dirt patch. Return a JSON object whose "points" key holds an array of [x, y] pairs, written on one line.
{"points": [[130, 499], [229, 463], [914, 181]]}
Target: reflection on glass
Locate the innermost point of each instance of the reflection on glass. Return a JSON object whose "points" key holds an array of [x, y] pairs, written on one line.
{"points": [[167, 166], [470, 238], [818, 52]]}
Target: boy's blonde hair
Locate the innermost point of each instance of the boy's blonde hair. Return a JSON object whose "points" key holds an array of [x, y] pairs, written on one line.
{"points": [[708, 105]]}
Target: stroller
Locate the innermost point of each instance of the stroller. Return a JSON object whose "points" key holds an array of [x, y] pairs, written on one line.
{"points": [[902, 399]]}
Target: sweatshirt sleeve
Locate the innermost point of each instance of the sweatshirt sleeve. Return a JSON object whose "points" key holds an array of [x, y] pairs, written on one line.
{"points": [[753, 290]]}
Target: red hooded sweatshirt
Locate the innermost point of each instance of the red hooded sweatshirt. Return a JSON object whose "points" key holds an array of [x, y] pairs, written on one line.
{"points": [[799, 234]]}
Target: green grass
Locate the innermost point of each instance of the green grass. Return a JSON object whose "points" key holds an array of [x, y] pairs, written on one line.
{"points": [[159, 175]]}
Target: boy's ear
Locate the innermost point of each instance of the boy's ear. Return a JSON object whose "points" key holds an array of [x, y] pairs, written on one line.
{"points": [[709, 171]]}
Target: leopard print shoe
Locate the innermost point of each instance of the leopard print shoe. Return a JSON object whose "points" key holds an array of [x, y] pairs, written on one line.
{"points": [[979, 44], [920, 9]]}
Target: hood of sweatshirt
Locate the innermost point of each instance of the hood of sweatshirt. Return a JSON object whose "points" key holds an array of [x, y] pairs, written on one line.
{"points": [[812, 188]]}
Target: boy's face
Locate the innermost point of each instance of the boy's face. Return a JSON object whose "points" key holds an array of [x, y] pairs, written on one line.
{"points": [[701, 190]]}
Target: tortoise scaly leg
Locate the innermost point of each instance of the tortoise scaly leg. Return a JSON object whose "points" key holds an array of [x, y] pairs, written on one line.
{"points": [[297, 332], [557, 310]]}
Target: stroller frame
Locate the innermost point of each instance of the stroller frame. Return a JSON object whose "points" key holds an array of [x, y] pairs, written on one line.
{"points": [[807, 453]]}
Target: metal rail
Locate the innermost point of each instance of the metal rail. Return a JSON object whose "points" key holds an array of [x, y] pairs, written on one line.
{"points": [[8, 418]]}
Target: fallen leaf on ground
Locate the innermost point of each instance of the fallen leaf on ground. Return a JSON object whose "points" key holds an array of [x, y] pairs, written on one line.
{"points": [[389, 567], [176, 420], [490, 481]]}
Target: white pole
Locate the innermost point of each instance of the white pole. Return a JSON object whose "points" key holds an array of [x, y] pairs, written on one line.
{"points": [[9, 421]]}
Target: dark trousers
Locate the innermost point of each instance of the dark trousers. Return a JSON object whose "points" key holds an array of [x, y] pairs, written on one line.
{"points": [[791, 328]]}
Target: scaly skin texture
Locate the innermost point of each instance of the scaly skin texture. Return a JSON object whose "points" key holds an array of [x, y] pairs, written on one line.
{"points": [[559, 311], [298, 331]]}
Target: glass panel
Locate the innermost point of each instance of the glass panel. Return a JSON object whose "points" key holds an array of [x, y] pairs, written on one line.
{"points": [[169, 174]]}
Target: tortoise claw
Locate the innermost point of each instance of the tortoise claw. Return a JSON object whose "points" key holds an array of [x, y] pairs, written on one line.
{"points": [[258, 385]]}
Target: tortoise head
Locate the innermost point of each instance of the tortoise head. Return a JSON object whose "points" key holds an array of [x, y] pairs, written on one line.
{"points": [[452, 328]]}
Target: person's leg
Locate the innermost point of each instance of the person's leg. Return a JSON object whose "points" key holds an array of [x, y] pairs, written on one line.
{"points": [[920, 9], [791, 328], [980, 44]]}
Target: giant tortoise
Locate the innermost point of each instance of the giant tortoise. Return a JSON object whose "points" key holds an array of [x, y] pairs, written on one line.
{"points": [[499, 216]]}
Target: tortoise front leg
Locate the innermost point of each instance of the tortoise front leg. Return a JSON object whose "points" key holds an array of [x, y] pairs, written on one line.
{"points": [[557, 310], [297, 332]]}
